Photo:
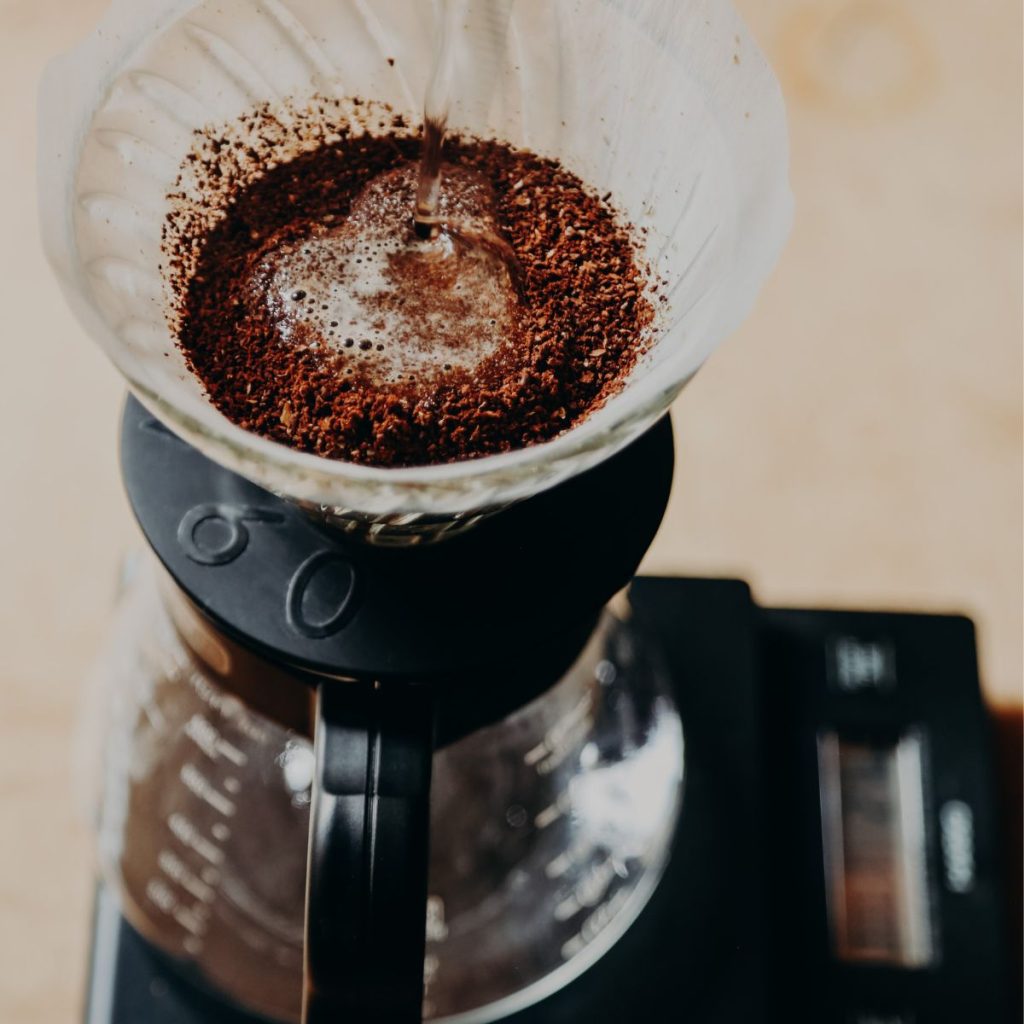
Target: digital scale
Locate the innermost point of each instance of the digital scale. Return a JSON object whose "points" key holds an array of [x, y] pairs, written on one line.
{"points": [[836, 859]]}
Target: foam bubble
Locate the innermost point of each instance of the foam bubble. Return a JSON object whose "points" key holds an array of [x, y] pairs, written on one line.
{"points": [[396, 305]]}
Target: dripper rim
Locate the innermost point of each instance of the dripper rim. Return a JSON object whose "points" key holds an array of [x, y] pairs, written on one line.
{"points": [[235, 447]]}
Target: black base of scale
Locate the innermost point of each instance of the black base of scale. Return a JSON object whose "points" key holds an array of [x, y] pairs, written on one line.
{"points": [[744, 926]]}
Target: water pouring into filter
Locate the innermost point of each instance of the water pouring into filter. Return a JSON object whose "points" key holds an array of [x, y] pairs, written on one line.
{"points": [[436, 105], [488, 47]]}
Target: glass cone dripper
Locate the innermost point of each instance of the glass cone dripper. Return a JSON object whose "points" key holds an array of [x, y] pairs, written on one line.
{"points": [[669, 107]]}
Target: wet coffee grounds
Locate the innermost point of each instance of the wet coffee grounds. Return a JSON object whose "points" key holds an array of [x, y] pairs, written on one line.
{"points": [[311, 319]]}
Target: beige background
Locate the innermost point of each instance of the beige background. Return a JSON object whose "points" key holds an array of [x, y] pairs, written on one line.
{"points": [[859, 440]]}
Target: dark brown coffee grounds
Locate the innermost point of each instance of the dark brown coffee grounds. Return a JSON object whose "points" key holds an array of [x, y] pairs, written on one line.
{"points": [[445, 372]]}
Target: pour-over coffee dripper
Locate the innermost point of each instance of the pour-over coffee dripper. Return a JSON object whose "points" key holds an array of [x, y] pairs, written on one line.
{"points": [[310, 633], [668, 107]]}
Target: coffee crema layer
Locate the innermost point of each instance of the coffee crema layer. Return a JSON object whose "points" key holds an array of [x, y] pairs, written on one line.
{"points": [[313, 315]]}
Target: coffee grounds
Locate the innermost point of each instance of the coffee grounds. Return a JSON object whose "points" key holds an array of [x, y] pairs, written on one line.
{"points": [[579, 317]]}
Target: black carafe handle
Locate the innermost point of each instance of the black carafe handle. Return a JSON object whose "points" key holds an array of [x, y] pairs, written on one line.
{"points": [[366, 889]]}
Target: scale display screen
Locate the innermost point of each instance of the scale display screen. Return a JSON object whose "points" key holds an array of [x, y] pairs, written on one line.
{"points": [[872, 803]]}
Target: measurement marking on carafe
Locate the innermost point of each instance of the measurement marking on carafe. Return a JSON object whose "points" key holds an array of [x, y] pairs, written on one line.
{"points": [[233, 754], [561, 738], [589, 891], [191, 918], [553, 812], [190, 836], [566, 909], [571, 857], [558, 867], [201, 786], [159, 893], [437, 927], [231, 708], [594, 924], [209, 740], [173, 866], [594, 885], [221, 832]]}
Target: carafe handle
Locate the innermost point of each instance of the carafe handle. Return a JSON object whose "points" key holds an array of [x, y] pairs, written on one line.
{"points": [[366, 887]]}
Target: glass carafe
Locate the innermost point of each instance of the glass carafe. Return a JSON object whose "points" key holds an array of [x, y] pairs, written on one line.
{"points": [[549, 829]]}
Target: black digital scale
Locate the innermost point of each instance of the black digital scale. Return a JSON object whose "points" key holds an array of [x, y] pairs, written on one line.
{"points": [[837, 854]]}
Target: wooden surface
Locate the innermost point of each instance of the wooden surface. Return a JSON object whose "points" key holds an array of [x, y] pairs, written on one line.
{"points": [[858, 441]]}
